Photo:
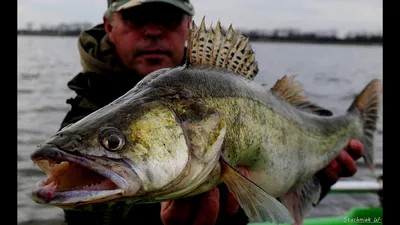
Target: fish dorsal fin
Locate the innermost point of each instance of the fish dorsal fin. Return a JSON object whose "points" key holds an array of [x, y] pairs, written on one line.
{"points": [[231, 51], [293, 92]]}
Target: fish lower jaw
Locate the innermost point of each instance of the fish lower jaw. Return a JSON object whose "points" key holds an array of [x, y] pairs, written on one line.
{"points": [[46, 192], [69, 182]]}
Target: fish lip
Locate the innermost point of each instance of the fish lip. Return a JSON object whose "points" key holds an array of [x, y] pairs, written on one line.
{"points": [[52, 152], [64, 198]]}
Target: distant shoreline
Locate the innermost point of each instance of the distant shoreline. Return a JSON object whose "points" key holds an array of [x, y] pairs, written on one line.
{"points": [[300, 40], [339, 42]]}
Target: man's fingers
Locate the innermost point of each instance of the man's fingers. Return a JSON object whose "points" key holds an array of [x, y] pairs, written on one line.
{"points": [[355, 149], [344, 165], [230, 204], [209, 208], [349, 167], [178, 211], [175, 212], [330, 174], [165, 205]]}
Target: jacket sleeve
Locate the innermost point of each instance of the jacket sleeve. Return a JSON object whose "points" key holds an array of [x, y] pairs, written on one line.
{"points": [[81, 106], [94, 91]]}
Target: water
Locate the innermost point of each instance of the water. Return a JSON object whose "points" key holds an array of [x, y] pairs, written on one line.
{"points": [[331, 75]]}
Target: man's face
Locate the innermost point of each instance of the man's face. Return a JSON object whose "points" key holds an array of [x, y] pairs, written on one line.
{"points": [[149, 37]]}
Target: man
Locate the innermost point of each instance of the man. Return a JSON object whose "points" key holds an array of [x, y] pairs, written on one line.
{"points": [[139, 37]]}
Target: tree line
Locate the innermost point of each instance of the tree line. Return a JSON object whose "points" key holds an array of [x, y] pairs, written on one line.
{"points": [[256, 35]]}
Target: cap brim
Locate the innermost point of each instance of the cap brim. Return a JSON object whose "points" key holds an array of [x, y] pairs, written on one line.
{"points": [[185, 6]]}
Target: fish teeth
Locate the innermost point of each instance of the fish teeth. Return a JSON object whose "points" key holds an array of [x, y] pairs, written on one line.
{"points": [[41, 183], [85, 186], [63, 166], [95, 184], [45, 182], [52, 184]]}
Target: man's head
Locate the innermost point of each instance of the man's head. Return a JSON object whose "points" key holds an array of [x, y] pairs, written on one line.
{"points": [[149, 34]]}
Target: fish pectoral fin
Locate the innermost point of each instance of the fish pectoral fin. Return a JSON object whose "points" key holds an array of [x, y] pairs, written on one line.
{"points": [[258, 205], [301, 198]]}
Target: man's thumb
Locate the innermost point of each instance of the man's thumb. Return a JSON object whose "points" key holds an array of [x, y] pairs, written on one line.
{"points": [[174, 212]]}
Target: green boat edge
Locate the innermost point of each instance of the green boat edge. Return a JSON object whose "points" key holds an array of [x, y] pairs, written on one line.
{"points": [[354, 216], [359, 215]]}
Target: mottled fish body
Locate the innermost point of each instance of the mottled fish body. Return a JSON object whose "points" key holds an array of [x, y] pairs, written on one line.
{"points": [[182, 131]]}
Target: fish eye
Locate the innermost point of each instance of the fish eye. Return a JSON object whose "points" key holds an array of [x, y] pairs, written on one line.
{"points": [[111, 138]]}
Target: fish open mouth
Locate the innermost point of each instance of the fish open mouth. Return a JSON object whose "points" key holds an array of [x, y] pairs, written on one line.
{"points": [[73, 179], [67, 176]]}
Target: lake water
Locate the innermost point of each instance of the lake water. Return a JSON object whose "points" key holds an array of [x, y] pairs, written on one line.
{"points": [[331, 75]]}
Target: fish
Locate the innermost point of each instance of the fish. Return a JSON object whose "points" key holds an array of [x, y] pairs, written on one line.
{"points": [[184, 130]]}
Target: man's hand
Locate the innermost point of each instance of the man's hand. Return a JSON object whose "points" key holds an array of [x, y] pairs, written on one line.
{"points": [[217, 202], [344, 165]]}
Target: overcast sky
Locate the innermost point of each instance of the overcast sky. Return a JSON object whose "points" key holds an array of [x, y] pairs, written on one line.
{"points": [[307, 15]]}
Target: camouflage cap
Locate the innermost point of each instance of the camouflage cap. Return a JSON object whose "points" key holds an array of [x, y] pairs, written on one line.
{"points": [[117, 5]]}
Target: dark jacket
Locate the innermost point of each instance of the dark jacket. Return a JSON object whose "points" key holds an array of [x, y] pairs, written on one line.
{"points": [[103, 78]]}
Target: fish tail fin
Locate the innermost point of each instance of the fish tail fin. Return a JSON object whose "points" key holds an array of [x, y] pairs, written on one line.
{"points": [[231, 51], [367, 104]]}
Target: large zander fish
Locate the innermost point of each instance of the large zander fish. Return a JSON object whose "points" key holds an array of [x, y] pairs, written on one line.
{"points": [[182, 131]]}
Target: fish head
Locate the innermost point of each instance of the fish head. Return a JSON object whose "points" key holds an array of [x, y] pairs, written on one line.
{"points": [[129, 152]]}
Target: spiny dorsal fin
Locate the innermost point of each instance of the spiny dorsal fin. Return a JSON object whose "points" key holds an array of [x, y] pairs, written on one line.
{"points": [[231, 51], [293, 93]]}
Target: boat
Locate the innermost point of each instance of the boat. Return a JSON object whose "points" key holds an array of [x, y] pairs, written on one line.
{"points": [[359, 215]]}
